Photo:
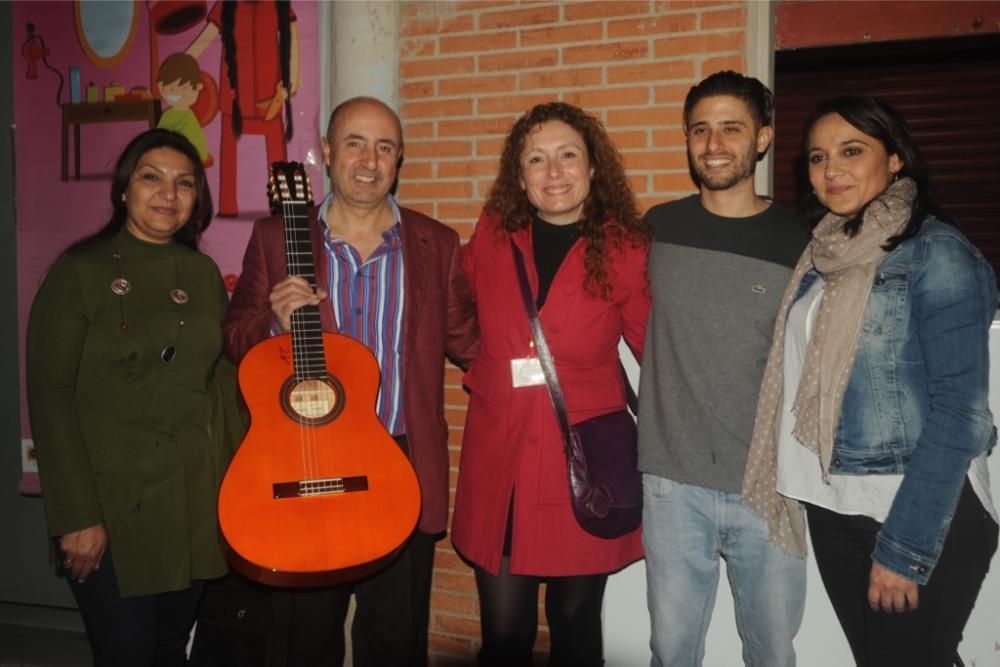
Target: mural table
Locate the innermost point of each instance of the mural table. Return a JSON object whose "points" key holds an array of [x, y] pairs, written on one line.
{"points": [[100, 112]]}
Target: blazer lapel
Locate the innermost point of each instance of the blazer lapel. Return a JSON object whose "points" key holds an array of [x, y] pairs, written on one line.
{"points": [[416, 249]]}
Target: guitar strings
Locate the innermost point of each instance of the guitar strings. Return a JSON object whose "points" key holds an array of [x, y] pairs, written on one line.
{"points": [[307, 444]]}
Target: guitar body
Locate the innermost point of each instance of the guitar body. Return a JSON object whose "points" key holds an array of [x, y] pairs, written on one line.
{"points": [[319, 491]]}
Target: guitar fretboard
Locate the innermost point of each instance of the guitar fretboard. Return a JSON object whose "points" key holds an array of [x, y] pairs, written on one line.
{"points": [[309, 359]]}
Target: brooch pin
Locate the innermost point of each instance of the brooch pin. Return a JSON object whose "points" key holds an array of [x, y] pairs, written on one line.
{"points": [[120, 286]]}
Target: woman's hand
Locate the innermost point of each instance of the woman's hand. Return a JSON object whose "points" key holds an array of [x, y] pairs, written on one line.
{"points": [[889, 592], [82, 551]]}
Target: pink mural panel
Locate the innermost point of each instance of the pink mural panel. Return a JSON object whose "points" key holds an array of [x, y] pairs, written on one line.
{"points": [[52, 212]]}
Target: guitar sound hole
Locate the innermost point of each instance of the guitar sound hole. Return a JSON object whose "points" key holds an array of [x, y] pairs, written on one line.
{"points": [[314, 401]]}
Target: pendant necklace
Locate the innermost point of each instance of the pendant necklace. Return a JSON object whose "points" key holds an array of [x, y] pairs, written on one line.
{"points": [[121, 286]]}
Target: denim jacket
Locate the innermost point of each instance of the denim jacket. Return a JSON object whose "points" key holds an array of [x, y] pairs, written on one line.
{"points": [[916, 402]]}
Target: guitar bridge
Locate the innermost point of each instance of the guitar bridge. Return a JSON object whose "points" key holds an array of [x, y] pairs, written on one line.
{"points": [[320, 487]]}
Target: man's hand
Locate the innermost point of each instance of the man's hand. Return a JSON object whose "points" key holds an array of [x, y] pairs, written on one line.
{"points": [[890, 592], [82, 551], [289, 295]]}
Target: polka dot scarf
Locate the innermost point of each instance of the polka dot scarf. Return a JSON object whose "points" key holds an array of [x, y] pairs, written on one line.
{"points": [[848, 266]]}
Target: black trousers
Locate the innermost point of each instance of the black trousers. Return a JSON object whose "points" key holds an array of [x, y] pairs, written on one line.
{"points": [[509, 618], [929, 635], [390, 619], [138, 631]]}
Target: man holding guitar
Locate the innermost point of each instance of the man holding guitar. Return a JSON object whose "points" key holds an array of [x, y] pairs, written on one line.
{"points": [[391, 278]]}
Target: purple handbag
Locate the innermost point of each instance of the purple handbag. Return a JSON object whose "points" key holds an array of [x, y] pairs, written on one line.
{"points": [[601, 455]]}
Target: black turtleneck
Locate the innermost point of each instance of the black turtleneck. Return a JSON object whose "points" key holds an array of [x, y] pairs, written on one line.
{"points": [[551, 244]]}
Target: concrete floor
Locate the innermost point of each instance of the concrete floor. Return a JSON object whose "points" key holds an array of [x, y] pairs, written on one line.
{"points": [[26, 646], [38, 636]]}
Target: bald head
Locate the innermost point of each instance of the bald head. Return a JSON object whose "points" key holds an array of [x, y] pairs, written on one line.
{"points": [[375, 104]]}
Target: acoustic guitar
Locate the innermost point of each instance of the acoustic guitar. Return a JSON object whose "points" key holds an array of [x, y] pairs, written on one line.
{"points": [[318, 491]]}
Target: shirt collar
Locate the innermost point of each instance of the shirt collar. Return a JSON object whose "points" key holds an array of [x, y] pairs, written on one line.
{"points": [[324, 206]]}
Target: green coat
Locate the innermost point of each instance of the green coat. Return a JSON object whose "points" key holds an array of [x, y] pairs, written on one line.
{"points": [[123, 437]]}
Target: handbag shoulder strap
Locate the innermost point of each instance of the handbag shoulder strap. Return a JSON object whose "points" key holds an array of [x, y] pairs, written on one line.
{"points": [[541, 346], [542, 349]]}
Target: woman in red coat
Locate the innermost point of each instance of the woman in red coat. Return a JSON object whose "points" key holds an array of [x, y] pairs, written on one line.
{"points": [[562, 198]]}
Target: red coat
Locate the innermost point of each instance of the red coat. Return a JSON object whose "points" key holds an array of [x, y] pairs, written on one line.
{"points": [[512, 439], [437, 320]]}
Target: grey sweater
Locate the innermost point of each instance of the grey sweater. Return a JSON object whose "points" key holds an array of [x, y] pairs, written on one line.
{"points": [[716, 285]]}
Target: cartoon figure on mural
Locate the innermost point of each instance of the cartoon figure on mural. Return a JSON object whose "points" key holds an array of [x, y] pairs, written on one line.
{"points": [[179, 84], [258, 76]]}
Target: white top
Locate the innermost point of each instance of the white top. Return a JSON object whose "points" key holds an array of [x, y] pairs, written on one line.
{"points": [[799, 473]]}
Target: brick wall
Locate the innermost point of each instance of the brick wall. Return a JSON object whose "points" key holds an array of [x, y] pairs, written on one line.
{"points": [[826, 23], [469, 69]]}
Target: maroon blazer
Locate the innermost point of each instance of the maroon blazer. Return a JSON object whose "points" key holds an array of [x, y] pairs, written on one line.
{"points": [[438, 320]]}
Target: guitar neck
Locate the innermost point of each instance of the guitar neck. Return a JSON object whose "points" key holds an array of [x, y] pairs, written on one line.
{"points": [[309, 359]]}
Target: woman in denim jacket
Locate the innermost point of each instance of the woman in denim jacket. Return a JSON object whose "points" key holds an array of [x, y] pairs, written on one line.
{"points": [[873, 410]]}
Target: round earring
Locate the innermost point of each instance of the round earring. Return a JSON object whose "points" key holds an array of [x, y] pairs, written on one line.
{"points": [[123, 197], [895, 176]]}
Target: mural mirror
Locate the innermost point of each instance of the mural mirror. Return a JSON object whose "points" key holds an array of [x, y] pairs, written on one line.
{"points": [[106, 29]]}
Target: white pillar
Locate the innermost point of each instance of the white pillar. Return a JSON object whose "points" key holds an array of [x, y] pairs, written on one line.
{"points": [[364, 54], [760, 64]]}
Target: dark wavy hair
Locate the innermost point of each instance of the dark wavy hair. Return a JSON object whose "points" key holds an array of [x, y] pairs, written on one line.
{"points": [[610, 214], [201, 214], [879, 120]]}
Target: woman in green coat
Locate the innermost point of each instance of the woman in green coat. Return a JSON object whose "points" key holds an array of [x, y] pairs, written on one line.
{"points": [[125, 387]]}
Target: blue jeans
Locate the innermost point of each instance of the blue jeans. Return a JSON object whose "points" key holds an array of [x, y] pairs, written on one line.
{"points": [[686, 529]]}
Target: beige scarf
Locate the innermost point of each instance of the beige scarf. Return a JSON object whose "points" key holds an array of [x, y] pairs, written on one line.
{"points": [[848, 266]]}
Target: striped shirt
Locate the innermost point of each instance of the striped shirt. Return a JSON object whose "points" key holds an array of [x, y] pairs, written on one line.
{"points": [[367, 301]]}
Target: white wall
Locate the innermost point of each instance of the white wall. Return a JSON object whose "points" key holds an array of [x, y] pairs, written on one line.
{"points": [[820, 642]]}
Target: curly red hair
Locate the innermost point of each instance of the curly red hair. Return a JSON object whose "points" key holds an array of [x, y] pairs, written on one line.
{"points": [[610, 213]]}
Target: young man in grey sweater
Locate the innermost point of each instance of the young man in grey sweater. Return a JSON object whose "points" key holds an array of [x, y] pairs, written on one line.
{"points": [[717, 268]]}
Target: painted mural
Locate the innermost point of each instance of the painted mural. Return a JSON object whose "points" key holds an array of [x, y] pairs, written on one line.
{"points": [[91, 74]]}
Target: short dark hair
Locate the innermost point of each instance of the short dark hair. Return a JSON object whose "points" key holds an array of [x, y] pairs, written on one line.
{"points": [[882, 122], [201, 213], [758, 97]]}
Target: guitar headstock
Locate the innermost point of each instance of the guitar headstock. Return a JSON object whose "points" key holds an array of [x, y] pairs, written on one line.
{"points": [[288, 183]]}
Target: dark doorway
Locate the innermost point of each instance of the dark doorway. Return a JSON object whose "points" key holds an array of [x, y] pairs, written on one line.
{"points": [[947, 89]]}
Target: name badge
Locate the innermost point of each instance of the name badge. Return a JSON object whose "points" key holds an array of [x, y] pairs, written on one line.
{"points": [[526, 372]]}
